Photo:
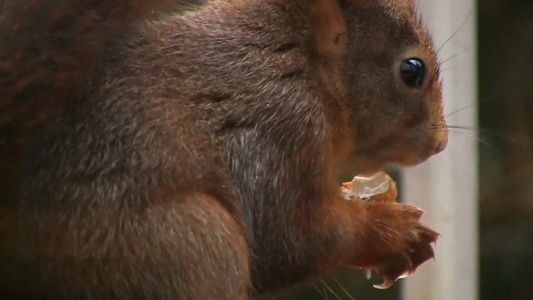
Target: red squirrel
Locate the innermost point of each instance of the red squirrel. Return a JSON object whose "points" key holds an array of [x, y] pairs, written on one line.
{"points": [[189, 149]]}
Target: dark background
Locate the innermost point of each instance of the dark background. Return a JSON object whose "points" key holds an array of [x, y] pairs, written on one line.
{"points": [[505, 135], [506, 164]]}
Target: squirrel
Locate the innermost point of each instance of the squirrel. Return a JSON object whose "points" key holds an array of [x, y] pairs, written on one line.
{"points": [[189, 149]]}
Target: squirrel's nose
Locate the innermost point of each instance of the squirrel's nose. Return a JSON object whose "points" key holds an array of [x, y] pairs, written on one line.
{"points": [[441, 146]]}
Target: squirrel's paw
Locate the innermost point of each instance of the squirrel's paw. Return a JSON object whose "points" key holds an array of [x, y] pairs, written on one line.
{"points": [[397, 243]]}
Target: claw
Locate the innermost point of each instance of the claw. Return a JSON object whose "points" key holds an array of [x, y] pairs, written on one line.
{"points": [[405, 275], [368, 273], [418, 212], [385, 285]]}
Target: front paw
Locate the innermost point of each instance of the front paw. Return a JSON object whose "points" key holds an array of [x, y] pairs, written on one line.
{"points": [[396, 243]]}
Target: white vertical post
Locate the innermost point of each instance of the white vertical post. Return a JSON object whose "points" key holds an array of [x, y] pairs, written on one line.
{"points": [[446, 186]]}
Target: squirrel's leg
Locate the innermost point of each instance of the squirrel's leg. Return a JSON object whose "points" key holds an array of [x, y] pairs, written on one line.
{"points": [[387, 236], [300, 226], [384, 236], [186, 248]]}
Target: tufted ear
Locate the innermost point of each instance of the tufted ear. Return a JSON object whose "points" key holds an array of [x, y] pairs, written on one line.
{"points": [[357, 3], [329, 25]]}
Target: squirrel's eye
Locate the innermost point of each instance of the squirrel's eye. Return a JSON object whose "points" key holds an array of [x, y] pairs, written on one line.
{"points": [[413, 71]]}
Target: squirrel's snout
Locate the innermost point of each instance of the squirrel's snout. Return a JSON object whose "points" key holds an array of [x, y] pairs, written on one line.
{"points": [[441, 138], [441, 145]]}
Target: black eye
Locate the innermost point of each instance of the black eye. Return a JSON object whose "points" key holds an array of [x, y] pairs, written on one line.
{"points": [[413, 72]]}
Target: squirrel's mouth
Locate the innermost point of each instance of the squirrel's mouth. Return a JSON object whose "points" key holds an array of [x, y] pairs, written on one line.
{"points": [[402, 153]]}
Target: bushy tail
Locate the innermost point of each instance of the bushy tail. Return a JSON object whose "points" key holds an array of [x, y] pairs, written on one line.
{"points": [[47, 46]]}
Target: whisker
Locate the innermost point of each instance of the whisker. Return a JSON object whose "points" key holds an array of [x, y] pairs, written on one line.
{"points": [[479, 139], [452, 57], [321, 292], [329, 288], [444, 70], [343, 289], [489, 145], [516, 139], [459, 110], [480, 101], [458, 29]]}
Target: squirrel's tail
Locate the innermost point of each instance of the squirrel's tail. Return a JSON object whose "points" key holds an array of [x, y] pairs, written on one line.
{"points": [[47, 46]]}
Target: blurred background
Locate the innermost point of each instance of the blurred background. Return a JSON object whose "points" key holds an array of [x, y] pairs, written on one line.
{"points": [[506, 162], [504, 137]]}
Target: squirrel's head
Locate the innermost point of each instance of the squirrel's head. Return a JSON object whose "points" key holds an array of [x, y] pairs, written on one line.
{"points": [[378, 75], [392, 85]]}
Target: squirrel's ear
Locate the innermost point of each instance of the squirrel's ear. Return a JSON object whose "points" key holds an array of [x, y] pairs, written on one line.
{"points": [[357, 3], [329, 26]]}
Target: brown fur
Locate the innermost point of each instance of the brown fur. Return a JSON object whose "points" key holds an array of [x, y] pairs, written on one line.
{"points": [[194, 156]]}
